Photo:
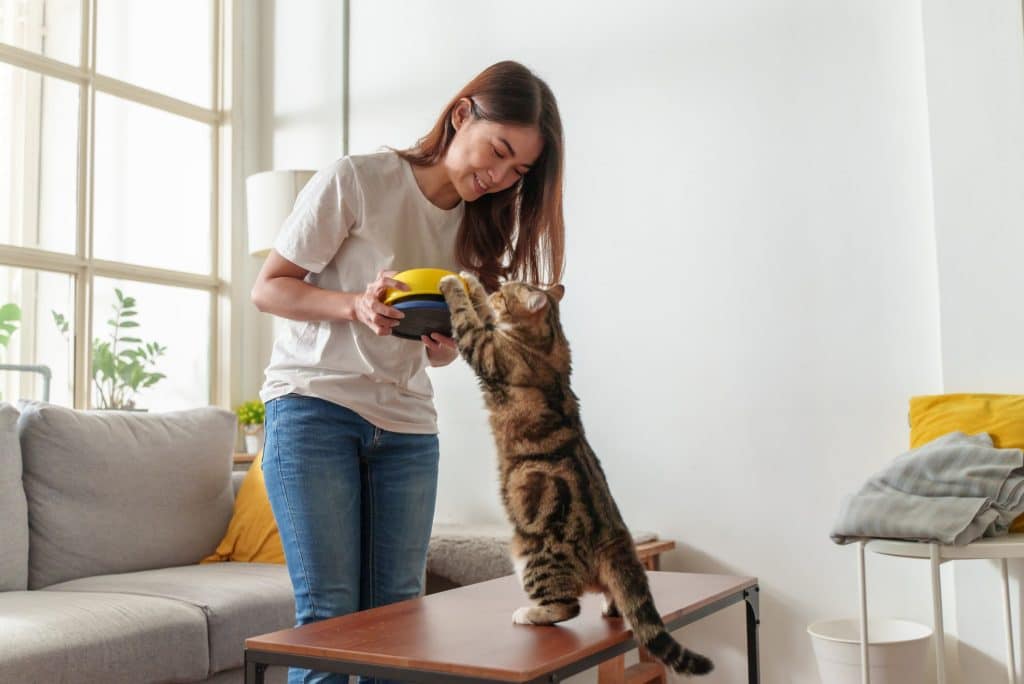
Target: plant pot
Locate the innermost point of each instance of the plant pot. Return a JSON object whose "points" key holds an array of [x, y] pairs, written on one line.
{"points": [[253, 438]]}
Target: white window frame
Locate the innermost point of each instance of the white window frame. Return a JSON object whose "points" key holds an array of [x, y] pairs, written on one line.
{"points": [[226, 188]]}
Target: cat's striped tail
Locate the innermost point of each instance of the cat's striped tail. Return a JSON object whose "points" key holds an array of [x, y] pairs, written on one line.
{"points": [[626, 582]]}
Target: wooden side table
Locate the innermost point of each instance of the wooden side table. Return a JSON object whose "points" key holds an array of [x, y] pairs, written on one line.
{"points": [[242, 461], [650, 552]]}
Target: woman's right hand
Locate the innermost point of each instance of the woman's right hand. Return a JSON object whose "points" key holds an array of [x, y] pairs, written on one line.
{"points": [[372, 311]]}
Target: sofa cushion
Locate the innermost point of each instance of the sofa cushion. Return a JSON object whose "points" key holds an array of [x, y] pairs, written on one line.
{"points": [[13, 509], [239, 599], [114, 491], [53, 636], [467, 554], [252, 535]]}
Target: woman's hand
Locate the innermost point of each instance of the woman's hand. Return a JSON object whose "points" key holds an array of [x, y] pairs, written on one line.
{"points": [[374, 313], [441, 349]]}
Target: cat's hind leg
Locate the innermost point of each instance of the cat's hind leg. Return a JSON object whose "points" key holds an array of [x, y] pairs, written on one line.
{"points": [[608, 607], [547, 612], [555, 591]]}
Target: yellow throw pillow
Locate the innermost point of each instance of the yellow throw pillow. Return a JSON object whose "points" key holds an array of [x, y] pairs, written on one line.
{"points": [[1000, 415], [252, 535]]}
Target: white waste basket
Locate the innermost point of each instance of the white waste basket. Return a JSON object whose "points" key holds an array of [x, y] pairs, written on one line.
{"points": [[897, 650]]}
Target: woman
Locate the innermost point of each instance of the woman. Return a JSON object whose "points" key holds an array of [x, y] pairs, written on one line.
{"points": [[351, 453]]}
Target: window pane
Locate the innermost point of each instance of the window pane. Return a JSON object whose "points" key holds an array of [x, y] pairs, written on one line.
{"points": [[176, 320], [38, 159], [31, 335], [162, 46], [47, 27], [152, 187]]}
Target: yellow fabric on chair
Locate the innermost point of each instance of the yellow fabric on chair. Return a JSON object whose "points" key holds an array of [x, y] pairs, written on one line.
{"points": [[252, 535], [1000, 415]]}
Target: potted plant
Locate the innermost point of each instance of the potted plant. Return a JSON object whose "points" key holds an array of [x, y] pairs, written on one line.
{"points": [[250, 417], [122, 365]]}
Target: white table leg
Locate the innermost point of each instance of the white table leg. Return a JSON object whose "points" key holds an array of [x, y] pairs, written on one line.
{"points": [[865, 666], [940, 632], [1011, 665]]}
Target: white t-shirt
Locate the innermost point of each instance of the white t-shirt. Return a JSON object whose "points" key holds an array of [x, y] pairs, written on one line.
{"points": [[361, 215]]}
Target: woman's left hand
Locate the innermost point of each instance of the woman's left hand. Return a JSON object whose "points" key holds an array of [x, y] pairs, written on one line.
{"points": [[441, 349]]}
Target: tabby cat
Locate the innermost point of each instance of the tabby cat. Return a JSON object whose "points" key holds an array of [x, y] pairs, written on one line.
{"points": [[569, 535]]}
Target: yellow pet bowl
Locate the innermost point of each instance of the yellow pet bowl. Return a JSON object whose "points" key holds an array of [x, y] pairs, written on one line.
{"points": [[421, 281], [423, 303]]}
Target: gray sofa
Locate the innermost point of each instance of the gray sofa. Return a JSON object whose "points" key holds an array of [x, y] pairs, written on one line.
{"points": [[103, 517]]}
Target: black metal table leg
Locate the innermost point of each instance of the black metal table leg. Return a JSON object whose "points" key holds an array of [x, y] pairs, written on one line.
{"points": [[752, 598], [253, 670]]}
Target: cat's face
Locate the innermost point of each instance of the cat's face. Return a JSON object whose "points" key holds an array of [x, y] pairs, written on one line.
{"points": [[519, 307]]}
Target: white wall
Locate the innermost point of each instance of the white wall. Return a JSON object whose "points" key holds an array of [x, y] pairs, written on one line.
{"points": [[753, 289], [975, 67]]}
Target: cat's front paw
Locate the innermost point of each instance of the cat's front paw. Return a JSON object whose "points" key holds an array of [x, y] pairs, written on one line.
{"points": [[522, 616], [470, 279], [450, 284]]}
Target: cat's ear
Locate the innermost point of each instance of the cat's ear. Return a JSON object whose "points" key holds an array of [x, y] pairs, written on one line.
{"points": [[535, 302], [557, 291]]}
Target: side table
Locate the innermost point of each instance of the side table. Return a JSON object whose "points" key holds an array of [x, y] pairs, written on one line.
{"points": [[997, 548], [464, 636], [241, 461], [650, 552]]}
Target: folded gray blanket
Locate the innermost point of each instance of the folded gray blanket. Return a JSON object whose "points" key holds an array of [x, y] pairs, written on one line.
{"points": [[953, 490]]}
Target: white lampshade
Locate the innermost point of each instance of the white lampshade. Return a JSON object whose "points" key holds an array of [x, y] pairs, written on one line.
{"points": [[269, 198]]}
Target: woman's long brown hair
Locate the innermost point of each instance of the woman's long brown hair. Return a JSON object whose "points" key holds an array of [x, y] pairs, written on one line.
{"points": [[519, 233]]}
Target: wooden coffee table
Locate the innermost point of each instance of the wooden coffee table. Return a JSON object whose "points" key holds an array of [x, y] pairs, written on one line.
{"points": [[466, 635]]}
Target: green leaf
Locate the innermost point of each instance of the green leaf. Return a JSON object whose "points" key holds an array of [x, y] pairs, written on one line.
{"points": [[10, 312], [103, 361], [154, 378]]}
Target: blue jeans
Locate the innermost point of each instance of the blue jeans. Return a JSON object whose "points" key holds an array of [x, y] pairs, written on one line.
{"points": [[354, 505]]}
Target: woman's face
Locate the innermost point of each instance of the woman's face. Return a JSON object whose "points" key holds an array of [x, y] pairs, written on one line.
{"points": [[486, 157]]}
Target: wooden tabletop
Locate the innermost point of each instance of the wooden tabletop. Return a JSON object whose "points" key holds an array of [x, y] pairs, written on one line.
{"points": [[469, 631]]}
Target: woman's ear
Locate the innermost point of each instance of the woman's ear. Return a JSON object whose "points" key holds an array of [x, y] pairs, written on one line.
{"points": [[461, 112]]}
